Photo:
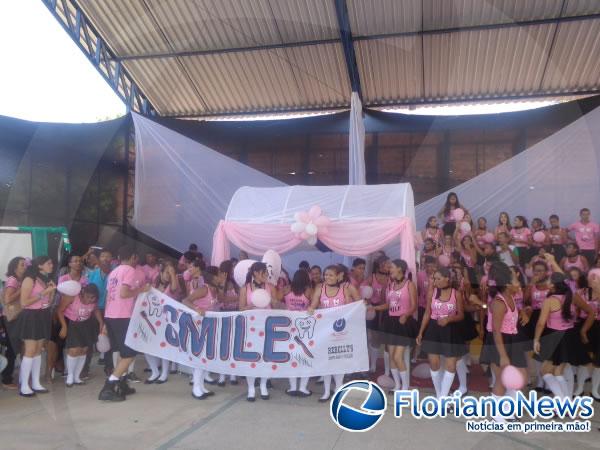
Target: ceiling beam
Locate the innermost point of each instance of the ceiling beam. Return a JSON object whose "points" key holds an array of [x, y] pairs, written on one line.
{"points": [[341, 11], [493, 26]]}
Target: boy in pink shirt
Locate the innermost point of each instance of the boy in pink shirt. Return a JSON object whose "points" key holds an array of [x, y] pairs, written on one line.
{"points": [[586, 235], [123, 286], [151, 268]]}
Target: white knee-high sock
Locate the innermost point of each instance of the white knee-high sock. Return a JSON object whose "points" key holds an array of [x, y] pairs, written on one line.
{"points": [[492, 378], [153, 365], [116, 356], [396, 377], [326, 386], [373, 354], [131, 368], [232, 378], [407, 358], [198, 379], [595, 382], [386, 363], [304, 384], [71, 363], [293, 384], [582, 375], [80, 363], [461, 371], [553, 384], [263, 386], [251, 388], [405, 377], [164, 370], [339, 380], [570, 379], [564, 386], [437, 382], [36, 368], [24, 374], [207, 377], [446, 383]]}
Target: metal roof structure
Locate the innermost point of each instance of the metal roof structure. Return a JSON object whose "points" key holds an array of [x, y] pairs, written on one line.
{"points": [[206, 58]]}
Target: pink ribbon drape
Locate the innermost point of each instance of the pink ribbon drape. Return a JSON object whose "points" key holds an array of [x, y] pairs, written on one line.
{"points": [[351, 238]]}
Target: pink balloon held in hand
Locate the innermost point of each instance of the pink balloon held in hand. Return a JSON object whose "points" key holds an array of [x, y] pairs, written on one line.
{"points": [[512, 378], [458, 214], [539, 237]]}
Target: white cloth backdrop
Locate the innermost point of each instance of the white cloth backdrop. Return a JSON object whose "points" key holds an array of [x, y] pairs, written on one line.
{"points": [[557, 175], [356, 160], [182, 188]]}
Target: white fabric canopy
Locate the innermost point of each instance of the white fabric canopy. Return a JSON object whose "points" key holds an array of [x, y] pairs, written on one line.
{"points": [[558, 175], [182, 188], [279, 204]]}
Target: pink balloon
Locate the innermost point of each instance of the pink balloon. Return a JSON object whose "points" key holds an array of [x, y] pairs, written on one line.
{"points": [[512, 378], [489, 238], [539, 237], [314, 211], [458, 214], [385, 382], [304, 217], [465, 227], [322, 221], [304, 235], [444, 260]]}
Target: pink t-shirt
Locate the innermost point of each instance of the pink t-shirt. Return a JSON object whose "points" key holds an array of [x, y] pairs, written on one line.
{"points": [[509, 322], [208, 302], [520, 236], [118, 307], [78, 311], [578, 263], [151, 273], [538, 296], [338, 299], [585, 234], [422, 288], [296, 302], [42, 303], [398, 299], [555, 319], [11, 282], [378, 291], [441, 309]]}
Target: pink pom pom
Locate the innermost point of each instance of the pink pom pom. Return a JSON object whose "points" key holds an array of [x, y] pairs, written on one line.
{"points": [[512, 378]]}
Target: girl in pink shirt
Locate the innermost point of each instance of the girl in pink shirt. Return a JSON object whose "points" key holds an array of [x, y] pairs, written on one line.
{"points": [[481, 231], [257, 278], [298, 299], [398, 322], [447, 213], [441, 333], [79, 319], [554, 339], [11, 304], [35, 320], [331, 294], [521, 239], [558, 237], [573, 258], [432, 231], [504, 225]]}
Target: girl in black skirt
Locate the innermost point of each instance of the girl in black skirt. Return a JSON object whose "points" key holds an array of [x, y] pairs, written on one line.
{"points": [[35, 320], [554, 342], [80, 319], [503, 346], [399, 323], [441, 333]]}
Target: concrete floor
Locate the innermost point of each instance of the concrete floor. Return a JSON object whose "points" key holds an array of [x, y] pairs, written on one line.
{"points": [[166, 416]]}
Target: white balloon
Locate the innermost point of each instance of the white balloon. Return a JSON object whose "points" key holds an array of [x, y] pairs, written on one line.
{"points": [[298, 227], [312, 240], [311, 229], [261, 298], [464, 226], [241, 271], [297, 217], [103, 344], [366, 292], [273, 262], [70, 288], [422, 371]]}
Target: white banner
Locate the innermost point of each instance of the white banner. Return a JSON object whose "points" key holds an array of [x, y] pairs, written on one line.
{"points": [[260, 343]]}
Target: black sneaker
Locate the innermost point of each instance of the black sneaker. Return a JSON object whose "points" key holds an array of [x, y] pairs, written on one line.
{"points": [[111, 392], [125, 388]]}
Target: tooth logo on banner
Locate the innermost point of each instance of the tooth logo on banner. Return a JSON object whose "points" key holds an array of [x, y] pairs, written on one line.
{"points": [[360, 419], [306, 326], [339, 325]]}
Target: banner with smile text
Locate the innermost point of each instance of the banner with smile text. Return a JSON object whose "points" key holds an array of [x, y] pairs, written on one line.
{"points": [[260, 343]]}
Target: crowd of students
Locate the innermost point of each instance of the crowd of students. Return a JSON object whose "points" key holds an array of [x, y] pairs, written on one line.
{"points": [[530, 294]]}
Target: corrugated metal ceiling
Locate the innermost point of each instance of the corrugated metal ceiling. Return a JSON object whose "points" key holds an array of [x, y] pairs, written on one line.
{"points": [[206, 57]]}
